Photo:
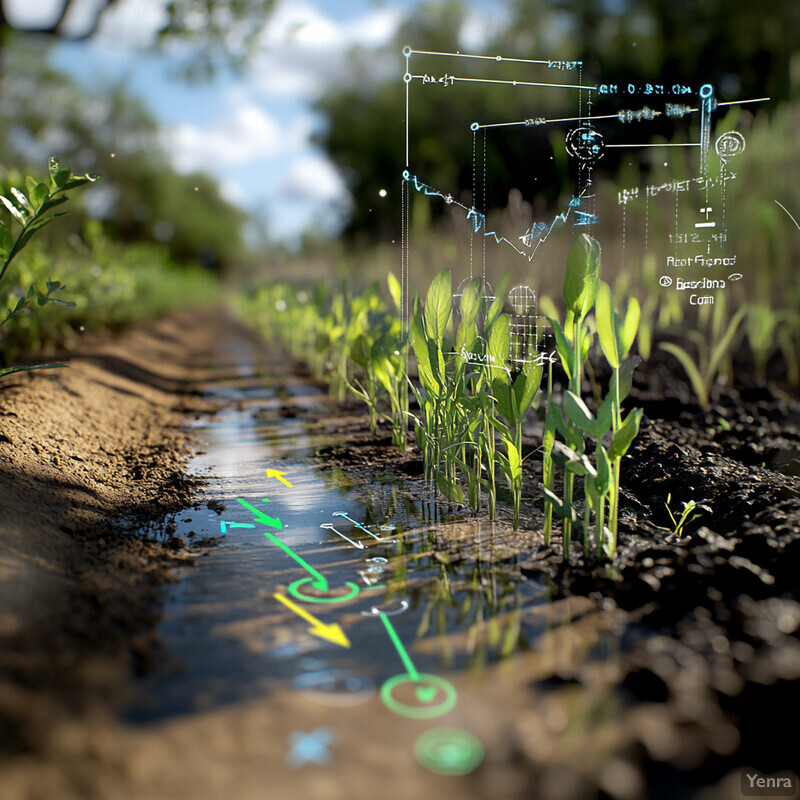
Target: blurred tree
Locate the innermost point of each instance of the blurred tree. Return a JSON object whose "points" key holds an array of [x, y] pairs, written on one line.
{"points": [[219, 32], [364, 135], [141, 197], [744, 50]]}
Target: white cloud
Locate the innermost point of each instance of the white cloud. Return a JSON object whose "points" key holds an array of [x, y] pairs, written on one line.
{"points": [[312, 179], [246, 134], [133, 22], [233, 191], [303, 49]]}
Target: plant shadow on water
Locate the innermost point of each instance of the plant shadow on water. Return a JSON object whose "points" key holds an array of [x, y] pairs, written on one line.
{"points": [[452, 585]]}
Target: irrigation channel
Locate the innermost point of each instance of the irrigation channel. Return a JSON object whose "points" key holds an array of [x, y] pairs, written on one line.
{"points": [[327, 598]]}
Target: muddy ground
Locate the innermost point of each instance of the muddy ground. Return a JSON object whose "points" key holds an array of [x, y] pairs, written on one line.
{"points": [[705, 629]]}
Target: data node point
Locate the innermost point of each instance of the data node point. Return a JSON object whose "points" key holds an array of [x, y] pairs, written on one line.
{"points": [[706, 89], [407, 51], [474, 126]]}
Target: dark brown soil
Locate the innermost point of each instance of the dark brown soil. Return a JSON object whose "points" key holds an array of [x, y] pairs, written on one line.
{"points": [[698, 636], [709, 650]]}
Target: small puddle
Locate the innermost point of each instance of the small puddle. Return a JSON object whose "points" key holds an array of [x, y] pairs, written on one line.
{"points": [[238, 620]]}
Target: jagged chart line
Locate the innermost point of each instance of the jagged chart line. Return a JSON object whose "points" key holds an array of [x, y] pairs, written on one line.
{"points": [[479, 219], [584, 143]]}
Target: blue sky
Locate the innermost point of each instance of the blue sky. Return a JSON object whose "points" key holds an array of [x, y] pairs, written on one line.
{"points": [[253, 132]]}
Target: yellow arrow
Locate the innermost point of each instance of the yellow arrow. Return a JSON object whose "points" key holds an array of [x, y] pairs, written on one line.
{"points": [[273, 473], [333, 633]]}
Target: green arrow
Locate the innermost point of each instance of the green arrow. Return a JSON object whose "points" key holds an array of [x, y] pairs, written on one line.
{"points": [[401, 651], [260, 516], [320, 582]]}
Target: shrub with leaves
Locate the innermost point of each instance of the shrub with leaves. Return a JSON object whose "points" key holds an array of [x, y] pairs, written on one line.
{"points": [[32, 212]]}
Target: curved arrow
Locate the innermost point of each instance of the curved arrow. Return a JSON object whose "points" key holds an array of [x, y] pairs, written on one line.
{"points": [[332, 633]]}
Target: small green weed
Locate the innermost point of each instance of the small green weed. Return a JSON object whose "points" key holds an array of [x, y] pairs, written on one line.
{"points": [[32, 212]]}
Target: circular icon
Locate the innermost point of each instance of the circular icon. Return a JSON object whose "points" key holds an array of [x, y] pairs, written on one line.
{"points": [[665, 280], [448, 751], [425, 697], [335, 687], [294, 590], [585, 144], [376, 612], [729, 145]]}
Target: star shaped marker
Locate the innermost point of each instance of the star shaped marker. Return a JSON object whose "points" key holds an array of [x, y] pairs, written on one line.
{"points": [[310, 748]]}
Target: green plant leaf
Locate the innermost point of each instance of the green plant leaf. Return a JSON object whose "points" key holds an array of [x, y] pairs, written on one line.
{"points": [[563, 347], [499, 341], [563, 454], [61, 176], [471, 302], [23, 201], [13, 210], [514, 461], [630, 327], [494, 311], [690, 368], [11, 370], [579, 415], [502, 395], [605, 415], [624, 437], [581, 280], [603, 480], [526, 385], [395, 290], [419, 344], [607, 325], [626, 376], [722, 346], [39, 194], [558, 506], [438, 306], [450, 490]]}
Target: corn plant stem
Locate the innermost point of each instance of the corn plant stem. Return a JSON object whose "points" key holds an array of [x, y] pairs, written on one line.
{"points": [[569, 477], [586, 520], [548, 473], [599, 524], [490, 463], [518, 478], [616, 465]]}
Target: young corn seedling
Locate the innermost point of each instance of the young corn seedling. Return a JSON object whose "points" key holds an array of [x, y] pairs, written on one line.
{"points": [[710, 355], [572, 344], [616, 339], [514, 400], [686, 516], [32, 211]]}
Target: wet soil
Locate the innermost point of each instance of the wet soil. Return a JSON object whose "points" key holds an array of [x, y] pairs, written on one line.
{"points": [[660, 675], [86, 453], [706, 624]]}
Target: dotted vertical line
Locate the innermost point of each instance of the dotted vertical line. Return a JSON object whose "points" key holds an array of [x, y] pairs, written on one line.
{"points": [[484, 207], [676, 224], [474, 203], [624, 232]]}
